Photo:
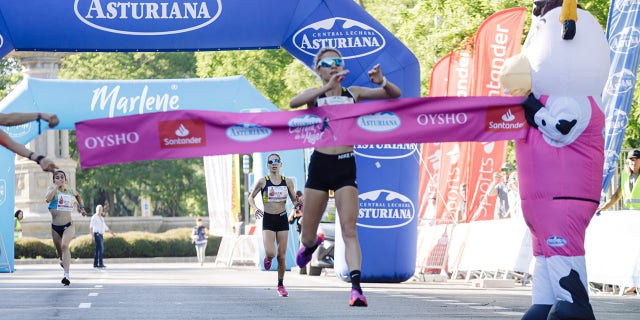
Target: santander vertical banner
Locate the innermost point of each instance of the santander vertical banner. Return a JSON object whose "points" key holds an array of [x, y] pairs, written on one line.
{"points": [[454, 155], [452, 174], [461, 75], [498, 38], [429, 175], [439, 81], [430, 152], [451, 76]]}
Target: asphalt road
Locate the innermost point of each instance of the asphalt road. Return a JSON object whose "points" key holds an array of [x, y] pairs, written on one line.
{"points": [[187, 291]]}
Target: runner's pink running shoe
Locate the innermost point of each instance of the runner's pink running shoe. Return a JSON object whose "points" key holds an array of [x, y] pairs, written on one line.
{"points": [[357, 299], [302, 258], [267, 263], [282, 291]]}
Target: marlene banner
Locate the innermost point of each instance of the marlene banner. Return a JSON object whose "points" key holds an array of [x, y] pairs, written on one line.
{"points": [[191, 134]]}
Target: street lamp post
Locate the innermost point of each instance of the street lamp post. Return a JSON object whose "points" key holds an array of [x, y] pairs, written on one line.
{"points": [[245, 170]]}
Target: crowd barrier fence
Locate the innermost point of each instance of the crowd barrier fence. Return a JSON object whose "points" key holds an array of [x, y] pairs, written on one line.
{"points": [[502, 249]]}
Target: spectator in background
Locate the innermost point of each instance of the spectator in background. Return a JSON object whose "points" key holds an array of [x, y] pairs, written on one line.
{"points": [[199, 239], [515, 208], [240, 225], [429, 216], [628, 190], [500, 188], [97, 228], [17, 226], [296, 212], [461, 212]]}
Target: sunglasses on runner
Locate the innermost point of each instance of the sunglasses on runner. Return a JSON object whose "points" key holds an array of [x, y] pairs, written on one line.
{"points": [[329, 62], [272, 161]]}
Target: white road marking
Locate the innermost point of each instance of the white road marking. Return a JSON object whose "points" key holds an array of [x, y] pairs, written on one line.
{"points": [[510, 313], [487, 307], [443, 300]]}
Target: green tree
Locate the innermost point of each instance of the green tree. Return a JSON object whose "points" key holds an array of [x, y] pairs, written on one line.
{"points": [[275, 73], [432, 29], [9, 75], [128, 65]]}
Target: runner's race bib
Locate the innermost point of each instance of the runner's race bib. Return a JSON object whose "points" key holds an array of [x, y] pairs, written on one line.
{"points": [[65, 202], [277, 193], [328, 101]]}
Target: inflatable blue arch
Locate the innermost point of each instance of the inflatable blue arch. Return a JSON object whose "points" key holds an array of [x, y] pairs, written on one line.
{"points": [[301, 27]]}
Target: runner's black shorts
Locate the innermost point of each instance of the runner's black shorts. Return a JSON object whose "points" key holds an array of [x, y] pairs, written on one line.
{"points": [[275, 222], [331, 171]]}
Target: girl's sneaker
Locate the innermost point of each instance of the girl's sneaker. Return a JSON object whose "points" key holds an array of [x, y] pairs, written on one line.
{"points": [[356, 299], [282, 291], [302, 258], [267, 263]]}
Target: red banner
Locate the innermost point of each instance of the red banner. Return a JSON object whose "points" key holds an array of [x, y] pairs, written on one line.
{"points": [[452, 174], [429, 173], [498, 38], [454, 155], [439, 82], [460, 74], [487, 158], [430, 152]]}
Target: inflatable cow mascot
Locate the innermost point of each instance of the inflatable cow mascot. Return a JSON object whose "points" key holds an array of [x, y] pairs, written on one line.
{"points": [[563, 68]]}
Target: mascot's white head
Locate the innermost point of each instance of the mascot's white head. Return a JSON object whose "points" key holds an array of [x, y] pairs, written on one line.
{"points": [[558, 65], [566, 66], [563, 54]]}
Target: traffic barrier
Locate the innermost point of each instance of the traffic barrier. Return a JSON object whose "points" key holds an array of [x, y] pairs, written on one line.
{"points": [[501, 249], [433, 247], [237, 250]]}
